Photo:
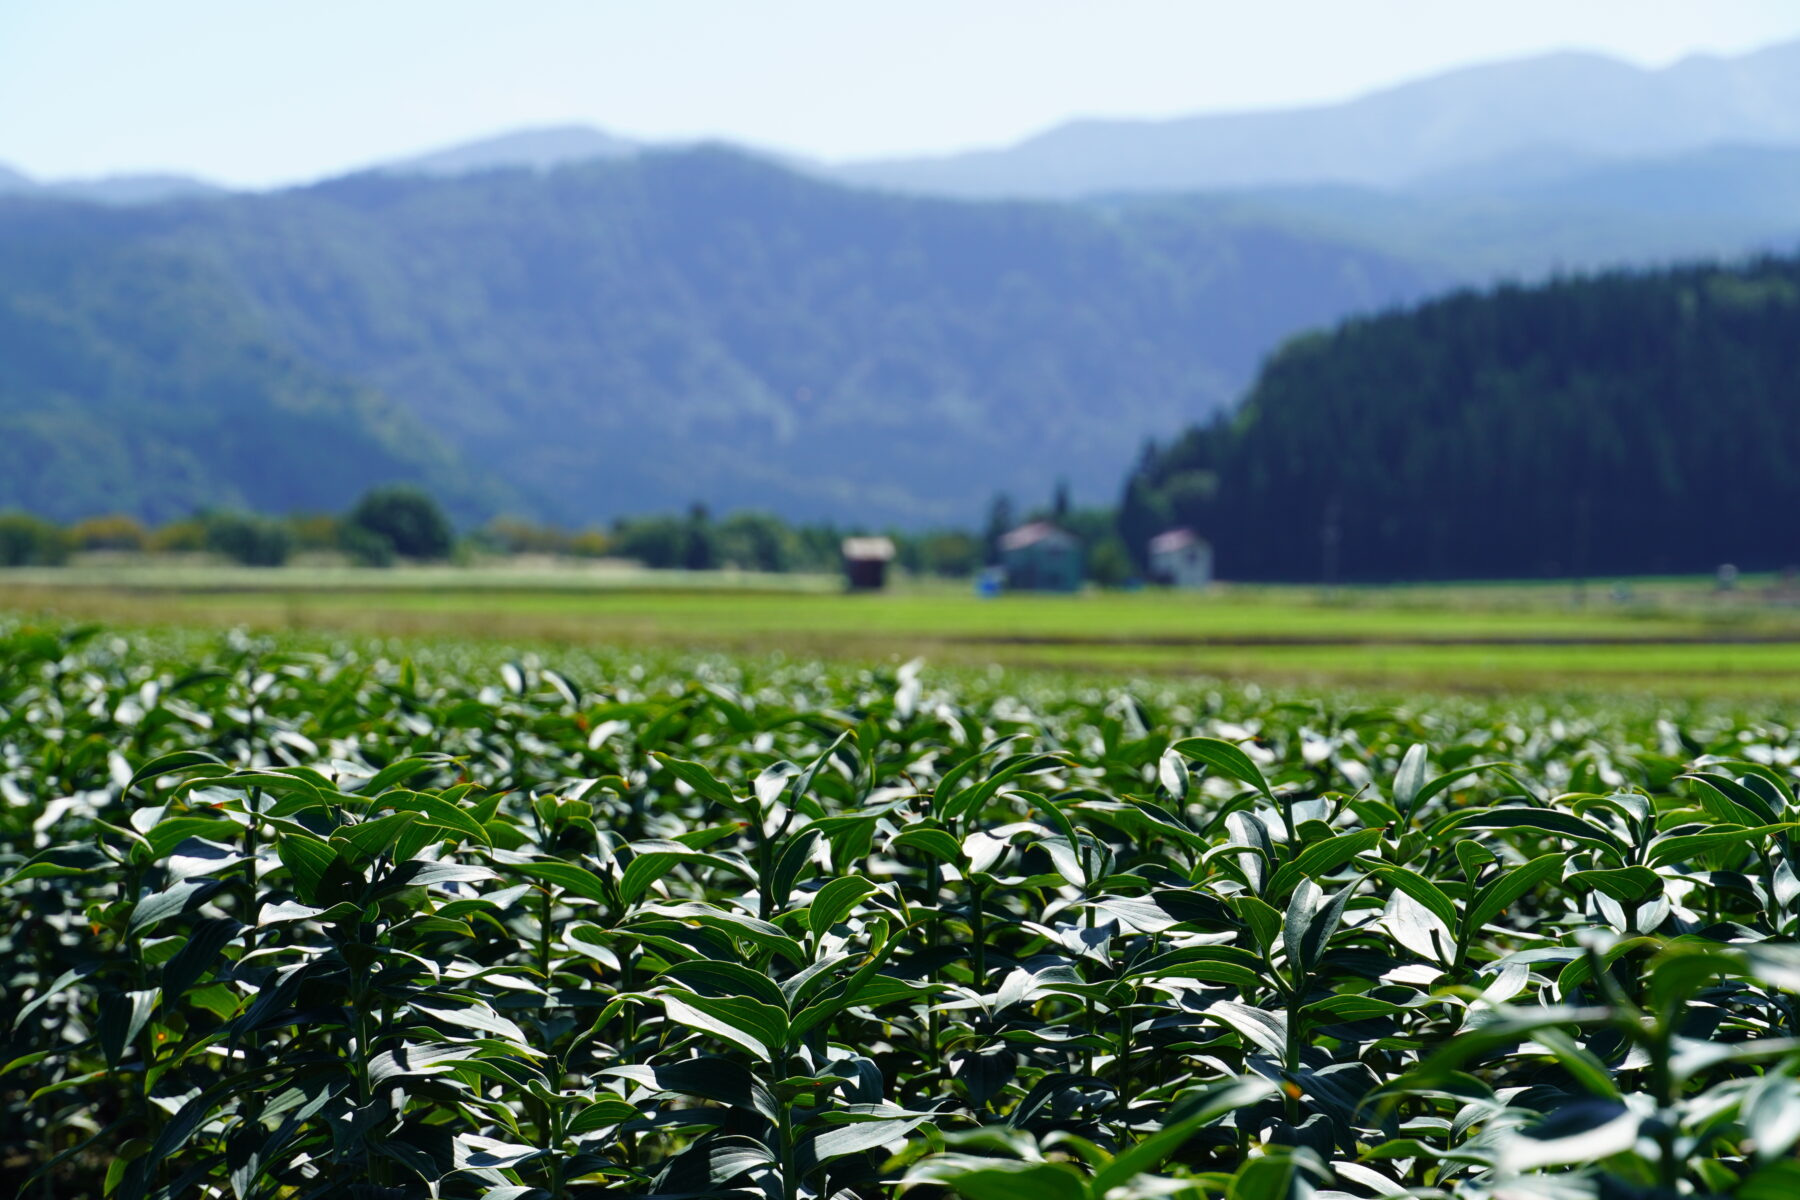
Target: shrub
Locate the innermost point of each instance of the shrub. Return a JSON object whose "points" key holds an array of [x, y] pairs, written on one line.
{"points": [[315, 531], [365, 547], [186, 536], [656, 541], [590, 543], [244, 538], [410, 520], [115, 531], [31, 541]]}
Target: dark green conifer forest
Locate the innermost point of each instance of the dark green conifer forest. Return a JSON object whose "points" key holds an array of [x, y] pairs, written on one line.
{"points": [[1618, 424]]}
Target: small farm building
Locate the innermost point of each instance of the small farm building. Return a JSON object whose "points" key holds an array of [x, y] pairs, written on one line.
{"points": [[1181, 558], [866, 561], [1040, 557]]}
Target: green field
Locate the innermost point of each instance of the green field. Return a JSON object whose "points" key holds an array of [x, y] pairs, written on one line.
{"points": [[307, 916], [1664, 636]]}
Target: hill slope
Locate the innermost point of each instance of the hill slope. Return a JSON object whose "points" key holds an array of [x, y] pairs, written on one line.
{"points": [[132, 380], [634, 335], [1617, 424]]}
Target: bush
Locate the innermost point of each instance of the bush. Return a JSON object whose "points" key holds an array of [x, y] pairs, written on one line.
{"points": [[410, 520], [116, 531], [243, 538], [187, 535], [28, 541], [949, 553], [365, 547], [659, 541], [590, 543], [755, 541], [315, 531], [1109, 563]]}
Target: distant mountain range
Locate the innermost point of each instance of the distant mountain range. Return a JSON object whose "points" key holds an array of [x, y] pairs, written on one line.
{"points": [[110, 189], [1566, 109], [573, 325], [530, 149], [642, 333]]}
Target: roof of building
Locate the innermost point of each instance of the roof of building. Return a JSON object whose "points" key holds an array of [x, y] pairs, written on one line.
{"points": [[1175, 539], [868, 549], [1038, 532]]}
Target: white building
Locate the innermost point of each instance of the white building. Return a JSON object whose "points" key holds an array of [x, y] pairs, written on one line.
{"points": [[1181, 558]]}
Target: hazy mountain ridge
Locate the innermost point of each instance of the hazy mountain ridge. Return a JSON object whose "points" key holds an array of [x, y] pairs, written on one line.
{"points": [[637, 334], [1571, 103], [537, 149], [132, 379], [126, 189]]}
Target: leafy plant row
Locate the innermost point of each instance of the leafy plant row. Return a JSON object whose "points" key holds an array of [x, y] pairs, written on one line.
{"points": [[283, 922]]}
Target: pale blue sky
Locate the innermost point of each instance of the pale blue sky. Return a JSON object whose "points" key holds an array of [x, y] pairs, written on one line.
{"points": [[257, 92]]}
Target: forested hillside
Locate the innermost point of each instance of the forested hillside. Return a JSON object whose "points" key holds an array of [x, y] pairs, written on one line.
{"points": [[1624, 423], [133, 379], [632, 336]]}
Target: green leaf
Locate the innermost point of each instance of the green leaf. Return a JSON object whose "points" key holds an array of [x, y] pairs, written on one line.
{"points": [[1310, 921], [1189, 1113], [821, 1147], [571, 878], [935, 842], [653, 860], [606, 1111], [977, 1178], [1266, 1030], [437, 811], [1771, 1115], [122, 1017], [398, 772], [310, 861], [1410, 778], [728, 978], [1584, 1132], [169, 764], [1499, 895], [697, 777], [708, 1078], [1322, 858], [1735, 802], [1628, 885], [203, 944], [1544, 820], [1681, 847], [418, 1059], [831, 902], [1226, 759], [759, 1028], [1424, 891], [1263, 918]]}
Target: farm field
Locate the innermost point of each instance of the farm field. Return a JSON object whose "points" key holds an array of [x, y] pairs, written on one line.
{"points": [[314, 914], [1668, 636]]}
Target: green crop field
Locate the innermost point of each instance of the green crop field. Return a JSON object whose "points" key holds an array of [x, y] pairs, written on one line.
{"points": [[1667, 636], [316, 914]]}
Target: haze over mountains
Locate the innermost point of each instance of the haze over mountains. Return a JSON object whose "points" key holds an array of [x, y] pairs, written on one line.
{"points": [[639, 334], [1559, 111], [110, 189], [572, 325]]}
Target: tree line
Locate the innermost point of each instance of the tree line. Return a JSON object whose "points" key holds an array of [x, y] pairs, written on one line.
{"points": [[1623, 423], [384, 525], [398, 522]]}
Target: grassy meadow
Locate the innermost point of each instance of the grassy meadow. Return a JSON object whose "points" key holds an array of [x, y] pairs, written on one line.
{"points": [[1664, 636]]}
